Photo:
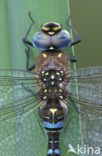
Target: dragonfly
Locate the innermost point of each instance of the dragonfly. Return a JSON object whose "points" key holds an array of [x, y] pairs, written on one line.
{"points": [[31, 101]]}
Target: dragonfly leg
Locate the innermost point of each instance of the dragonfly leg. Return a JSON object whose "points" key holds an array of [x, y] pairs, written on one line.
{"points": [[74, 31], [41, 126], [76, 108], [27, 51], [25, 40], [27, 43], [73, 59]]}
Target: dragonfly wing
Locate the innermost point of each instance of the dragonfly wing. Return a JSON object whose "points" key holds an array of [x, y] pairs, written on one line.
{"points": [[21, 126], [85, 109], [71, 134], [22, 138]]}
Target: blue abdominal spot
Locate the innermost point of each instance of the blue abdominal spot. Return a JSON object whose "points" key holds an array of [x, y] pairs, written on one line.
{"points": [[50, 151], [57, 151], [52, 125]]}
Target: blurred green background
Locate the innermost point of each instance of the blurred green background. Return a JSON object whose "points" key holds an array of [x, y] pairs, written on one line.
{"points": [[87, 20]]}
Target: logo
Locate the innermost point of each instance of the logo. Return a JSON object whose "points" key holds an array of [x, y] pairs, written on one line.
{"points": [[85, 150]]}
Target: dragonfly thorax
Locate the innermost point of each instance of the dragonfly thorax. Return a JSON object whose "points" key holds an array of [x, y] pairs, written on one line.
{"points": [[52, 77]]}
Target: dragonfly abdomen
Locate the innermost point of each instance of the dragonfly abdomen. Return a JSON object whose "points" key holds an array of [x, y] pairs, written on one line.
{"points": [[53, 142], [53, 114], [53, 131]]}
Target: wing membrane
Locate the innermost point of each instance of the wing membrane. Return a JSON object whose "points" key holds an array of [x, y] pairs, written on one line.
{"points": [[87, 106], [19, 124]]}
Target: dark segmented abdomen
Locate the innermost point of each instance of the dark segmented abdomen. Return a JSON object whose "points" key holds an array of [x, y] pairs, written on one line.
{"points": [[53, 131]]}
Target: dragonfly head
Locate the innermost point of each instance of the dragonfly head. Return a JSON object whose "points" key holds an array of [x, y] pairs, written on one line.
{"points": [[51, 28]]}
